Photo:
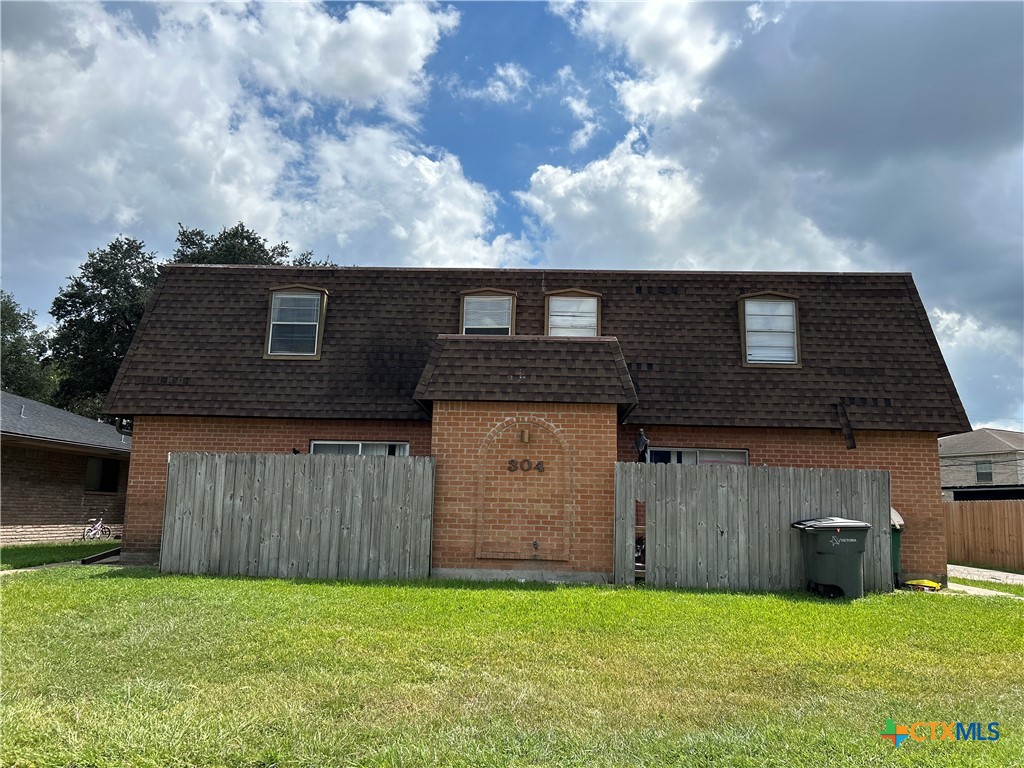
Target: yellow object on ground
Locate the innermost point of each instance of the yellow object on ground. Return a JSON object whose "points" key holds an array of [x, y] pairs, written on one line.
{"points": [[924, 585]]}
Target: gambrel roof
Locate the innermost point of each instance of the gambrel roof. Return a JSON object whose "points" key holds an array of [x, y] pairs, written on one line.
{"points": [[867, 351]]}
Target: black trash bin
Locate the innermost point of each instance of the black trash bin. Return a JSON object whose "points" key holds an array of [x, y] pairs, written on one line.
{"points": [[834, 555]]}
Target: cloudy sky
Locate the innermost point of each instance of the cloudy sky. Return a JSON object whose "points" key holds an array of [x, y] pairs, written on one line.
{"points": [[733, 136]]}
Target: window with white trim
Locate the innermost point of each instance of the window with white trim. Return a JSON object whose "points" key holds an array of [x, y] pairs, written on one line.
{"points": [[295, 318], [357, 448], [696, 456], [769, 325], [572, 315], [487, 315], [983, 471]]}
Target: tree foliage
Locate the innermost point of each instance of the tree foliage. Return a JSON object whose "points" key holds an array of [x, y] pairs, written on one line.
{"points": [[22, 351], [99, 309], [236, 245], [97, 313]]}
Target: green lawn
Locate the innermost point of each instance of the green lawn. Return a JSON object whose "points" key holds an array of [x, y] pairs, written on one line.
{"points": [[998, 586], [27, 555], [124, 667]]}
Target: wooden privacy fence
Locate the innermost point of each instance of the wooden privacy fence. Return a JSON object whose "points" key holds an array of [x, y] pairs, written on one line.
{"points": [[298, 516], [986, 533], [728, 527]]}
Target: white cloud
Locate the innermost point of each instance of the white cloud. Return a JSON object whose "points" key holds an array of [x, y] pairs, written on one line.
{"points": [[631, 205], [987, 364], [672, 45], [509, 81], [581, 137], [385, 200], [207, 119], [757, 19], [576, 100]]}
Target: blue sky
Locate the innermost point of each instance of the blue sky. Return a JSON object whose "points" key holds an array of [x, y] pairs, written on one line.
{"points": [[802, 136]]}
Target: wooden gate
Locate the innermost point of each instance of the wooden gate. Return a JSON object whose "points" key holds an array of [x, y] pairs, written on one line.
{"points": [[728, 527], [298, 516]]}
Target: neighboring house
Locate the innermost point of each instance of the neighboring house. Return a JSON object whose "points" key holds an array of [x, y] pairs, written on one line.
{"points": [[484, 369], [58, 470], [983, 465]]}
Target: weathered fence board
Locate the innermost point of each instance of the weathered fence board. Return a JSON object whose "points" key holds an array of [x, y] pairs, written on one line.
{"points": [[986, 533], [728, 527], [318, 517]]}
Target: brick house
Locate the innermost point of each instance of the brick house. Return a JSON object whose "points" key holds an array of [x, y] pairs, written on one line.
{"points": [[59, 469], [983, 465], [555, 371]]}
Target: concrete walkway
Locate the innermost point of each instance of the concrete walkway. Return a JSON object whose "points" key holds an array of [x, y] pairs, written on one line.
{"points": [[9, 571], [982, 574]]}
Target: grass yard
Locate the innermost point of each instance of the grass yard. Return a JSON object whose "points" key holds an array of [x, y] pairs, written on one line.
{"points": [[997, 586], [28, 555], [124, 667]]}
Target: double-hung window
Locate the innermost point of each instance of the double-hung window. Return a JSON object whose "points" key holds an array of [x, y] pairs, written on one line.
{"points": [[573, 313], [983, 471], [769, 330], [488, 314], [296, 323]]}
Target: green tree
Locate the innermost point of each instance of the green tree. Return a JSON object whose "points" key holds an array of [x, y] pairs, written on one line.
{"points": [[97, 313], [22, 352], [236, 245]]}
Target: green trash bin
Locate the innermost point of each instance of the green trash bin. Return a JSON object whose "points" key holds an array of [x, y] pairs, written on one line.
{"points": [[834, 555], [896, 523]]}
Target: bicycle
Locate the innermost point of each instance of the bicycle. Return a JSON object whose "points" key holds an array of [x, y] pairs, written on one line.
{"points": [[97, 530]]}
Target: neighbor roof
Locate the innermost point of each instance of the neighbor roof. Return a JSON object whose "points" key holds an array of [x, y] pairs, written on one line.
{"points": [[981, 441], [865, 345], [24, 419]]}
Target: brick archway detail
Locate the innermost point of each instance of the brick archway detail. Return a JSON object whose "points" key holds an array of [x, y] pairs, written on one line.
{"points": [[525, 513]]}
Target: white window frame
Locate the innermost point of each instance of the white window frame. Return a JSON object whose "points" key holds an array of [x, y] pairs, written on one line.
{"points": [[749, 334], [572, 295], [474, 330], [677, 454], [978, 472], [293, 292], [401, 448]]}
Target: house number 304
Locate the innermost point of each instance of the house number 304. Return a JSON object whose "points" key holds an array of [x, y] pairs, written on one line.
{"points": [[525, 465]]}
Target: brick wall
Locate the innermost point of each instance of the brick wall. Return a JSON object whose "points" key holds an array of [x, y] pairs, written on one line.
{"points": [[912, 458], [959, 471], [155, 436], [487, 517], [44, 496]]}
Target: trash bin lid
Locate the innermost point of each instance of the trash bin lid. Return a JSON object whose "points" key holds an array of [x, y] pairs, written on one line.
{"points": [[895, 519], [825, 523]]}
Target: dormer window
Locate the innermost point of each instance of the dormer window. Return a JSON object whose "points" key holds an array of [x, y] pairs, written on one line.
{"points": [[573, 313], [769, 328], [296, 322], [488, 313]]}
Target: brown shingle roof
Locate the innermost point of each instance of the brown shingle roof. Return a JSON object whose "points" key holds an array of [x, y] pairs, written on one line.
{"points": [[540, 369], [865, 343]]}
